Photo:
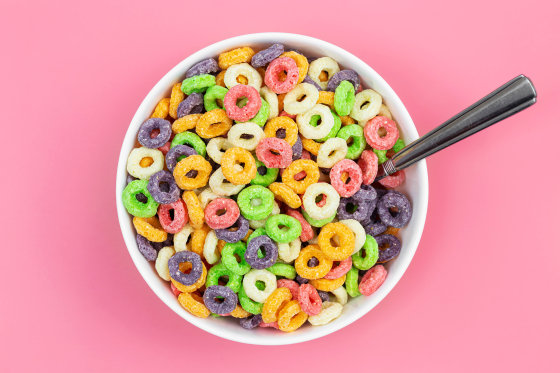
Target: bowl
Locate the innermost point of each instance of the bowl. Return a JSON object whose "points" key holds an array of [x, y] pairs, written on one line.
{"points": [[415, 187]]}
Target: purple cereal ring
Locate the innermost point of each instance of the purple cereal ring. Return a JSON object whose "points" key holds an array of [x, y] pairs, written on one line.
{"points": [[220, 299], [193, 276], [297, 149], [237, 235], [323, 295], [250, 322], [366, 193], [389, 202], [163, 188], [193, 104], [349, 75], [146, 249], [265, 56], [145, 133], [265, 245], [374, 225], [159, 245], [129, 179], [307, 79], [300, 280], [176, 152], [353, 208], [389, 247], [207, 66]]}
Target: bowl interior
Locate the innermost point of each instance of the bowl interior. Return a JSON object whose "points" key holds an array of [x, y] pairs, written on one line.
{"points": [[415, 187]]}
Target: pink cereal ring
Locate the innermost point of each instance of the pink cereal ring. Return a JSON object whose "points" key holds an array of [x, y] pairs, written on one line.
{"points": [[351, 186], [180, 217], [309, 300], [305, 154], [372, 280], [165, 148], [340, 270], [274, 152], [291, 285], [284, 114], [225, 220], [394, 180], [273, 75], [368, 164], [174, 290], [371, 131], [307, 232], [237, 92], [269, 325]]}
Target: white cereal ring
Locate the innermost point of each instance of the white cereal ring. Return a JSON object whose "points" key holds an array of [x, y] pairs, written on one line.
{"points": [[163, 257], [250, 281], [325, 64], [330, 311], [272, 99], [308, 92], [254, 79], [323, 129], [331, 151], [136, 155], [245, 135]]}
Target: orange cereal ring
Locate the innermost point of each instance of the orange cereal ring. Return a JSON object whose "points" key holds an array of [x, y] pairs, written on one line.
{"points": [[274, 303], [213, 123], [235, 56], [220, 79], [176, 97], [194, 209], [193, 303], [162, 109], [309, 167], [285, 194], [320, 270], [234, 157], [328, 285], [392, 231], [347, 120], [288, 124], [188, 122], [239, 312], [261, 71], [326, 98], [291, 317], [185, 267], [281, 102], [182, 172], [345, 237], [198, 237], [311, 146], [150, 228], [301, 62]]}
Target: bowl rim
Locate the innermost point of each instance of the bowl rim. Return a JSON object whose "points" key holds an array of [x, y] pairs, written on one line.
{"points": [[124, 218]]}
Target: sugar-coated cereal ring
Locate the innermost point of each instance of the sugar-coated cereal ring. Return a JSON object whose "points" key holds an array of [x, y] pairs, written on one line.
{"points": [[311, 207], [311, 146], [284, 114], [288, 252], [302, 263], [281, 68], [345, 237], [351, 283], [291, 231], [328, 285], [262, 115], [213, 123], [366, 105], [163, 128], [275, 301], [191, 139], [146, 248], [340, 270], [177, 153], [193, 304], [239, 313], [347, 120], [250, 284], [250, 109], [220, 78], [211, 97], [274, 152], [134, 162], [255, 202], [399, 145], [149, 228], [319, 131], [180, 218], [344, 98], [194, 287], [217, 147], [359, 233], [162, 108], [210, 250], [272, 99], [207, 66], [329, 312], [307, 79], [186, 167], [301, 62], [346, 188], [243, 69], [318, 223], [372, 280], [234, 233], [248, 304], [238, 156], [307, 232], [181, 238], [390, 202], [354, 133], [206, 196], [142, 207], [163, 188], [265, 175], [163, 257], [266, 247], [176, 97], [369, 166], [220, 299], [341, 295], [225, 220], [197, 83], [309, 300], [267, 55], [371, 255], [334, 130], [394, 180], [389, 247], [185, 257], [286, 124], [285, 194], [185, 123], [193, 104], [235, 56], [305, 92], [198, 239], [311, 175], [245, 135], [230, 252], [282, 270], [326, 98], [331, 151], [174, 290], [373, 138], [291, 317], [219, 185], [323, 64], [341, 76], [194, 209], [291, 285], [255, 224]]}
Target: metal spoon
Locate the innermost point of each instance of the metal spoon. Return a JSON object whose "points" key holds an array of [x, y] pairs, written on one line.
{"points": [[514, 96]]}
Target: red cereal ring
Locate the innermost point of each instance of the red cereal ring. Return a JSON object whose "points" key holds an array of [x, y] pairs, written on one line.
{"points": [[284, 114], [305, 154], [307, 232], [291, 285], [377, 141], [174, 290], [309, 300], [180, 217], [394, 180], [275, 73], [368, 164], [340, 270], [372, 280], [274, 152], [224, 220], [349, 187], [165, 148], [269, 325], [251, 108]]}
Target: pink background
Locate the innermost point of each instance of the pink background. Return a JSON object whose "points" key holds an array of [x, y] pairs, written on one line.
{"points": [[482, 291]]}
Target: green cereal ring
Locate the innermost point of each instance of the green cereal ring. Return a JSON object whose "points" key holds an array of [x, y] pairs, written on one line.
{"points": [[255, 202], [191, 139], [198, 83], [344, 98], [356, 133], [283, 270], [334, 130], [220, 270], [262, 114], [351, 283], [381, 155], [398, 145], [257, 232], [291, 231], [268, 178], [133, 205], [248, 304], [372, 254], [230, 261], [215, 315], [315, 222], [214, 93]]}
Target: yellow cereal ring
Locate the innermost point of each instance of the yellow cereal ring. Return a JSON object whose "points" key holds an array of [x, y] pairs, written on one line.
{"points": [[220, 245], [328, 285], [345, 237], [235, 56], [195, 210], [392, 231], [238, 156], [213, 124], [311, 273], [162, 109], [198, 238], [150, 228], [176, 97], [193, 303], [311, 170], [291, 317], [274, 303], [239, 312], [301, 62], [185, 165], [310, 145], [188, 122], [285, 194], [287, 123], [326, 98], [347, 120], [194, 287], [220, 79]]}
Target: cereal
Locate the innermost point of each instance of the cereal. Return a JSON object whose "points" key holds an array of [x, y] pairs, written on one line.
{"points": [[194, 209], [332, 151], [307, 166], [394, 180], [191, 288], [307, 232], [282, 270], [136, 169], [274, 152], [368, 164], [246, 135], [255, 202], [389, 247], [289, 127], [344, 98], [186, 167], [193, 104], [242, 70], [210, 250], [146, 248], [309, 300], [340, 270], [197, 84], [191, 139], [149, 228], [323, 64], [181, 238], [229, 259], [345, 237], [281, 66], [388, 204], [185, 123], [301, 99], [303, 268], [275, 301], [301, 62], [135, 207], [239, 55], [285, 194], [291, 230], [346, 188], [199, 238], [342, 75], [318, 131], [238, 156], [176, 97], [177, 153], [207, 66], [355, 134], [264, 57], [162, 126], [241, 228], [180, 218], [291, 317], [213, 123], [250, 284], [372, 280], [328, 209], [328, 285], [366, 105], [162, 108], [329, 312], [193, 304], [211, 97], [272, 99], [365, 262], [249, 110], [373, 138], [180, 276], [162, 187], [224, 220], [326, 98], [219, 185], [227, 302]]}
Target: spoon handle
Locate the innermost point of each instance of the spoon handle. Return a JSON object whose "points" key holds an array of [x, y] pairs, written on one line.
{"points": [[514, 96]]}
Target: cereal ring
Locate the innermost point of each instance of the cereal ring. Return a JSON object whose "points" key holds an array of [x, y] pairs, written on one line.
{"points": [[348, 187], [199, 238], [309, 300], [177, 153], [307, 166], [251, 322], [281, 68], [181, 238], [374, 139], [239, 313], [162, 269], [301, 62], [248, 304], [366, 105], [282, 270], [275, 301], [276, 125], [146, 248], [291, 317], [194, 287], [319, 131], [256, 233], [161, 126], [311, 207], [194, 209], [265, 175], [211, 97], [323, 64], [216, 148], [334, 130], [238, 156], [342, 75], [306, 230], [184, 170], [399, 145], [372, 280], [219, 185], [193, 104], [255, 202], [326, 98], [272, 99], [135, 167], [235, 56], [210, 250], [261, 245], [230, 252], [185, 257], [368, 165], [389, 247], [344, 98], [274, 152], [288, 252], [331, 151], [246, 112], [191, 139], [301, 99], [292, 286], [311, 146], [262, 58], [172, 224], [387, 205], [197, 84], [185, 123], [303, 267], [285, 194], [149, 228], [138, 201], [220, 299], [243, 69], [340, 270], [174, 290], [193, 304], [163, 188], [225, 220], [328, 285], [213, 123], [255, 224], [250, 284], [355, 134], [359, 233], [341, 295], [365, 262], [345, 237], [162, 109], [329, 312], [262, 115], [347, 120], [307, 79], [176, 97], [245, 135], [207, 66], [291, 231], [241, 227], [394, 180]]}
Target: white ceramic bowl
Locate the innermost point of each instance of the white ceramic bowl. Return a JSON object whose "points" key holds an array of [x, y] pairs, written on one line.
{"points": [[416, 188]]}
